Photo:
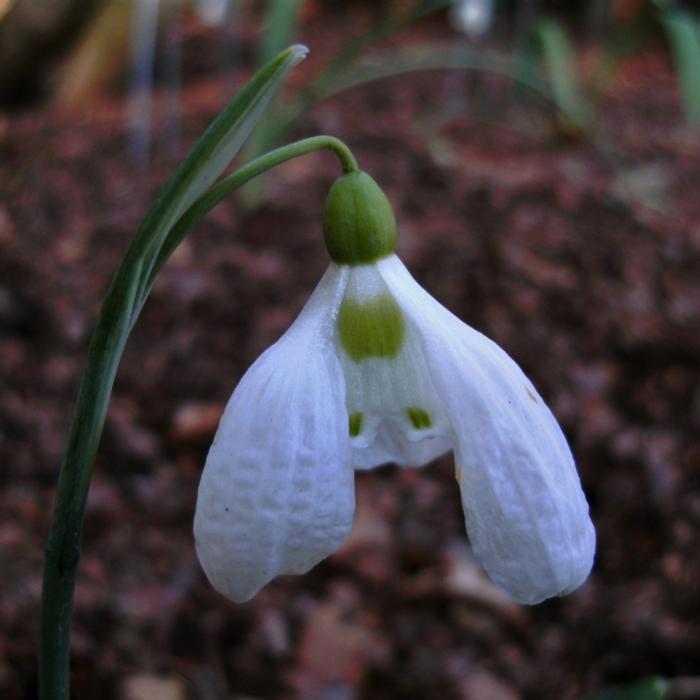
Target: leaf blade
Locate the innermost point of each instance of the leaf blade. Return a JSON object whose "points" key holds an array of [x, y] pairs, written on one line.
{"points": [[125, 297], [211, 154], [684, 39]]}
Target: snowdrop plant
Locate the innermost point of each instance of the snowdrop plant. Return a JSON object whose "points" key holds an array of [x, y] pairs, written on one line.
{"points": [[375, 370]]}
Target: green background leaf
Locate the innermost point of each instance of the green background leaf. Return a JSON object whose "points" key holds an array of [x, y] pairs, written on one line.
{"points": [[647, 689], [684, 38]]}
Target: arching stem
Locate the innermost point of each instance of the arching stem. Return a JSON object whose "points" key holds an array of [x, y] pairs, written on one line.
{"points": [[239, 178], [124, 300]]}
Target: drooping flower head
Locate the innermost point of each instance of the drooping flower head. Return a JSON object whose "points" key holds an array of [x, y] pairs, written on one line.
{"points": [[374, 370]]}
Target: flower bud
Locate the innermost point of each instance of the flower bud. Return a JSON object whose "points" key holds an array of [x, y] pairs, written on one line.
{"points": [[358, 221]]}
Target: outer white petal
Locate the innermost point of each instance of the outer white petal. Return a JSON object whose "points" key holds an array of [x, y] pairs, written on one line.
{"points": [[277, 491], [526, 515], [391, 445]]}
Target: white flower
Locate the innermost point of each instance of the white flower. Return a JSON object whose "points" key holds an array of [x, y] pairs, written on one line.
{"points": [[375, 370]]}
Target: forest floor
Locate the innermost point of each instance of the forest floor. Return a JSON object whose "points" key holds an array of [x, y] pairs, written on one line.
{"points": [[579, 256]]}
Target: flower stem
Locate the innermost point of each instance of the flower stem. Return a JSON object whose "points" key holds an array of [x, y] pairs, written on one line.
{"points": [[124, 300], [240, 177]]}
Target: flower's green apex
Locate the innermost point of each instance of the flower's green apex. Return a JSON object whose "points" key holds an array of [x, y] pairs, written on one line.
{"points": [[358, 221], [373, 328]]}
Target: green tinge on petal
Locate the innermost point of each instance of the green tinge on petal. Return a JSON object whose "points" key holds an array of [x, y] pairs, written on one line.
{"points": [[355, 424], [419, 417], [373, 328]]}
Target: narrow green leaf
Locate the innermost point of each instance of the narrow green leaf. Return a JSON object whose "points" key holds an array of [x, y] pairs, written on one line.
{"points": [[204, 164], [647, 689], [560, 63], [219, 144], [400, 61], [390, 23], [212, 153], [682, 31], [418, 58], [281, 22]]}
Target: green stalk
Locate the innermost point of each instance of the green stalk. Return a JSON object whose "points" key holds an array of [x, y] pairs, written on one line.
{"points": [[240, 177], [123, 303]]}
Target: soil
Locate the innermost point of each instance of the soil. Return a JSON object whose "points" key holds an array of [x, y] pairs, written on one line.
{"points": [[579, 255]]}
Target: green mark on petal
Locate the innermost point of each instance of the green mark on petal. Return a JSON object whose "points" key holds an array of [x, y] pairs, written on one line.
{"points": [[373, 328], [419, 418], [355, 421]]}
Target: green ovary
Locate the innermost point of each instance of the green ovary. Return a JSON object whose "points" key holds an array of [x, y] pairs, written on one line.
{"points": [[373, 328]]}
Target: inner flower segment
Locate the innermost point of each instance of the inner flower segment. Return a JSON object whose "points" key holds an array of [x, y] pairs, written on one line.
{"points": [[386, 375]]}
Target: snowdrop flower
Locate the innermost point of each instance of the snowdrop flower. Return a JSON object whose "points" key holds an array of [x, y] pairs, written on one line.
{"points": [[375, 370]]}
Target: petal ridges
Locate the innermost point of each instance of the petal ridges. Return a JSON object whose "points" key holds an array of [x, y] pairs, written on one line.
{"points": [[277, 492], [525, 511]]}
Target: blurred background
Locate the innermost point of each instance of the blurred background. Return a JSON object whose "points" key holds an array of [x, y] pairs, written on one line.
{"points": [[543, 161]]}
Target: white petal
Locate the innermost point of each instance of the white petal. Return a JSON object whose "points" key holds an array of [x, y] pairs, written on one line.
{"points": [[390, 445], [526, 515], [392, 388], [277, 491]]}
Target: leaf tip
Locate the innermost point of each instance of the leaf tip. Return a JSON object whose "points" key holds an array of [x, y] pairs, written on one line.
{"points": [[298, 52]]}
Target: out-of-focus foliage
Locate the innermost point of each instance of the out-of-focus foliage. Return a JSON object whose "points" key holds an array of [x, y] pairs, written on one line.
{"points": [[97, 59], [684, 38], [544, 39], [648, 689], [281, 25], [32, 35], [279, 28], [550, 43]]}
